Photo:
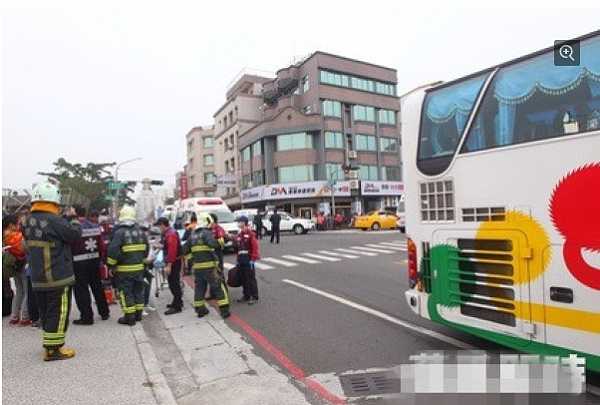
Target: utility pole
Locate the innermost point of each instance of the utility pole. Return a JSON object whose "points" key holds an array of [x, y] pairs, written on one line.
{"points": [[117, 189]]}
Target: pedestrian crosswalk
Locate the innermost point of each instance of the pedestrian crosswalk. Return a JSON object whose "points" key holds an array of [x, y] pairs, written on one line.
{"points": [[328, 256]]}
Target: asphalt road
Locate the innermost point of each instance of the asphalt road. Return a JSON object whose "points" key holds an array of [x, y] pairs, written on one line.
{"points": [[324, 336]]}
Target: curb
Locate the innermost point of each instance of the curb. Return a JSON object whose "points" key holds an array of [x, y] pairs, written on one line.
{"points": [[160, 387]]}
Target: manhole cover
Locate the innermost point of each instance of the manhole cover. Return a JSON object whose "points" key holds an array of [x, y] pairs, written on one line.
{"points": [[367, 384]]}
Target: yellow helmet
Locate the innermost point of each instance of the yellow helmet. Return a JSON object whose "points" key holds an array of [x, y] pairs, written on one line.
{"points": [[204, 220], [127, 214]]}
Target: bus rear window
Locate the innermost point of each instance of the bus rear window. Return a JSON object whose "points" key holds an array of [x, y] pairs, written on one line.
{"points": [[445, 114]]}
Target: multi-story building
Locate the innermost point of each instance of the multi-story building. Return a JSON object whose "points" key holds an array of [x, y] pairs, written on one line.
{"points": [[241, 111], [200, 168], [318, 116]]}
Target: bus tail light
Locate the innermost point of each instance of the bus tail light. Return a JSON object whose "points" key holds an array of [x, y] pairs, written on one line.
{"points": [[413, 273]]}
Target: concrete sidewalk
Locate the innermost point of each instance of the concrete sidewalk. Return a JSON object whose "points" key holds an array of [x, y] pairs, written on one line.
{"points": [[107, 367], [212, 363]]}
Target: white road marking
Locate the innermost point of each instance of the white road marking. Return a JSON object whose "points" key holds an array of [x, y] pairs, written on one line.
{"points": [[380, 246], [325, 252], [368, 249], [381, 315], [259, 265], [300, 259], [395, 243], [356, 252], [283, 263], [322, 257]]}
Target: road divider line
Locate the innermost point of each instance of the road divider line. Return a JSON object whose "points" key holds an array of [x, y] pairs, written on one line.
{"points": [[368, 249], [228, 266], [356, 252], [322, 257], [300, 259], [325, 252], [283, 263], [399, 248], [381, 315]]}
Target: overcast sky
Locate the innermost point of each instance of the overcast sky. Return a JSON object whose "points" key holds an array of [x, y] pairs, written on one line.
{"points": [[110, 84]]}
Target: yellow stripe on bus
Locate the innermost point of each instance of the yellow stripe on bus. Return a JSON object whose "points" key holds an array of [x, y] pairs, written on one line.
{"points": [[564, 317]]}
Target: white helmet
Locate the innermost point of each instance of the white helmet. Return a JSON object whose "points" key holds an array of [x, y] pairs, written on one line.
{"points": [[204, 220], [127, 214], [46, 192]]}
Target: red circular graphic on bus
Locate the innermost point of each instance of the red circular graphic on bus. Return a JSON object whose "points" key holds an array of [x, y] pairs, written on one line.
{"points": [[575, 211]]}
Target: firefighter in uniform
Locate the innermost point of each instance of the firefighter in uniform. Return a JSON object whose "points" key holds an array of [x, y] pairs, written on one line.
{"points": [[127, 253], [200, 248], [49, 238]]}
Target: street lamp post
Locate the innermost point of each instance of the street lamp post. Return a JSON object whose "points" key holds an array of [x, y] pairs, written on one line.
{"points": [[333, 182], [116, 180]]}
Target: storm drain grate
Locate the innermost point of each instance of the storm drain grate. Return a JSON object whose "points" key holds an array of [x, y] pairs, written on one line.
{"points": [[367, 384]]}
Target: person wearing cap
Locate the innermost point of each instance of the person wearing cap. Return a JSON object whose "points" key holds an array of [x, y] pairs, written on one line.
{"points": [[127, 254], [49, 237], [246, 247], [200, 248], [172, 256]]}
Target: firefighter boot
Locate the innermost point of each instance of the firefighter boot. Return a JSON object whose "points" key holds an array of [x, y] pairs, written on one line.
{"points": [[138, 316], [58, 354], [202, 312], [225, 313], [127, 319]]}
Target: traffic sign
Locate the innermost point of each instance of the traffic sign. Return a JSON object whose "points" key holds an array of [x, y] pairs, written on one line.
{"points": [[112, 185]]}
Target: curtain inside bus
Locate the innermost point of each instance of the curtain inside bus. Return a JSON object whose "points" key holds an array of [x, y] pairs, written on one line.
{"points": [[516, 84], [448, 105]]}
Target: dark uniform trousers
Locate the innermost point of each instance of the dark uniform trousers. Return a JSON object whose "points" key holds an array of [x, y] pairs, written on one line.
{"points": [[174, 280], [87, 273], [248, 278], [55, 306], [205, 278], [131, 288]]}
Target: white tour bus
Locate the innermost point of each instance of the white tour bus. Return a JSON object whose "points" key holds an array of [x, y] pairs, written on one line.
{"points": [[502, 181]]}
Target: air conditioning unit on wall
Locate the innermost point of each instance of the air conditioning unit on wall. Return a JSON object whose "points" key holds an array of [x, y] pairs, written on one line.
{"points": [[352, 154]]}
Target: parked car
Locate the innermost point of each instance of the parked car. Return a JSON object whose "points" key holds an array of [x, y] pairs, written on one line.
{"points": [[289, 223], [376, 220]]}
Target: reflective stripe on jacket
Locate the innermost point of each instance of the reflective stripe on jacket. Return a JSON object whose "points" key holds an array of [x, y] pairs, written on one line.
{"points": [[128, 249], [201, 247], [49, 238]]}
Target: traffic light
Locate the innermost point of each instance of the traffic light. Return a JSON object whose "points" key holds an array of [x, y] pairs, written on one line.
{"points": [[157, 182]]}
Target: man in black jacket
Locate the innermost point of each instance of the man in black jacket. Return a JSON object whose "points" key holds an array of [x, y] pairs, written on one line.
{"points": [[49, 238], [275, 223]]}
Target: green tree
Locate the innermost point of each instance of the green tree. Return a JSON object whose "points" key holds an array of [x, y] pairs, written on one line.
{"points": [[90, 180]]}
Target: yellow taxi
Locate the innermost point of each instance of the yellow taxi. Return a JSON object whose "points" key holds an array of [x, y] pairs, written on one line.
{"points": [[376, 220]]}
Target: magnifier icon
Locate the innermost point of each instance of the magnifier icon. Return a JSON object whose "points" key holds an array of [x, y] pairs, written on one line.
{"points": [[566, 52]]}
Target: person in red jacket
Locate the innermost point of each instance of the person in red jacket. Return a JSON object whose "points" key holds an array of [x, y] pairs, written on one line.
{"points": [[172, 255], [247, 254]]}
